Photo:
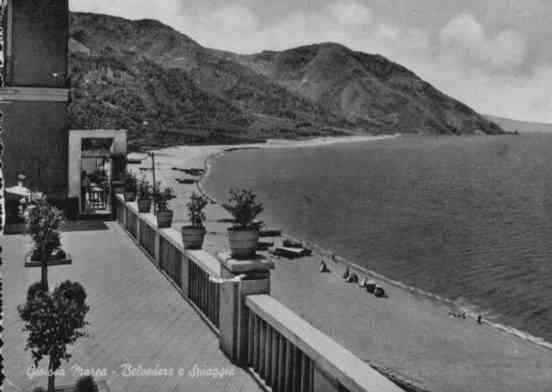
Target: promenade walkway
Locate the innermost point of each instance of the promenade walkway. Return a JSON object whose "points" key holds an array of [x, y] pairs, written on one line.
{"points": [[136, 317]]}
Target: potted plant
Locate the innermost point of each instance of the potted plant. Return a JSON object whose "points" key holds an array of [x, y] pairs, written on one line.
{"points": [[144, 196], [162, 212], [193, 234], [131, 185], [244, 235]]}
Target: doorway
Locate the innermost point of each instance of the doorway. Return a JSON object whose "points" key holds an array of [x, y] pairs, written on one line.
{"points": [[96, 174], [96, 159]]}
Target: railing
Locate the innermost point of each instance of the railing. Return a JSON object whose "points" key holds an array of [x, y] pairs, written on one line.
{"points": [[170, 260], [132, 222], [281, 349], [120, 212], [147, 239], [189, 270], [276, 360], [204, 293], [289, 354]]}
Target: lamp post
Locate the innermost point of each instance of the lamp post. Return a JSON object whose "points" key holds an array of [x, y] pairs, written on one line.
{"points": [[152, 155]]}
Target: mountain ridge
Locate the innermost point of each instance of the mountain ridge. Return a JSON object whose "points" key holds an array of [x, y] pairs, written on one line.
{"points": [[519, 126], [166, 88]]}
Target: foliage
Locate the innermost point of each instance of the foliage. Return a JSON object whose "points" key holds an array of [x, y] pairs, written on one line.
{"points": [[42, 223], [144, 189], [242, 205], [161, 197], [33, 290], [131, 182], [86, 384], [53, 321], [196, 205]]}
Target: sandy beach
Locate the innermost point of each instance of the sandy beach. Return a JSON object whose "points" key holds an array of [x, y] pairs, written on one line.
{"points": [[409, 335]]}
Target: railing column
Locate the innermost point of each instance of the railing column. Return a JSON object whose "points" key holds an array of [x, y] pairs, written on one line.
{"points": [[233, 328]]}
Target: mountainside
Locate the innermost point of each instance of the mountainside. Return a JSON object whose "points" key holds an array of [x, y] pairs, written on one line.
{"points": [[165, 88], [520, 126]]}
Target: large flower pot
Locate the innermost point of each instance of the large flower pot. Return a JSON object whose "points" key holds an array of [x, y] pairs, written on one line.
{"points": [[144, 205], [164, 219], [118, 186], [192, 237], [130, 195], [243, 243]]}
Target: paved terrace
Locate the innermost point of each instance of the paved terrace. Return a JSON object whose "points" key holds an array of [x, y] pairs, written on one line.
{"points": [[136, 316]]}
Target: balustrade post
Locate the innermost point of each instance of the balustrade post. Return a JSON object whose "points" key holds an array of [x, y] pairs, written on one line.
{"points": [[233, 316]]}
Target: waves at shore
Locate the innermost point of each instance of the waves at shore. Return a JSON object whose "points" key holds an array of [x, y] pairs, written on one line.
{"points": [[461, 305]]}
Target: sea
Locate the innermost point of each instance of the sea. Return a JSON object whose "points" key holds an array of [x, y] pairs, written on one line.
{"points": [[468, 219]]}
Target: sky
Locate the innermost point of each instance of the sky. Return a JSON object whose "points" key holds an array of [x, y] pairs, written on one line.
{"points": [[494, 55]]}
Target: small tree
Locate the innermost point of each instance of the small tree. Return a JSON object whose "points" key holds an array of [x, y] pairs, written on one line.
{"points": [[243, 206], [53, 322], [42, 223], [196, 205]]}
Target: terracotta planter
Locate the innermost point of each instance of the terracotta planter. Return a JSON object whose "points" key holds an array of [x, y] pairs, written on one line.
{"points": [[164, 219], [144, 205], [243, 243], [118, 186], [130, 196], [192, 237]]}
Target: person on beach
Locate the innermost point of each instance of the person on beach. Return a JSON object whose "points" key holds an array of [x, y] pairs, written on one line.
{"points": [[479, 319]]}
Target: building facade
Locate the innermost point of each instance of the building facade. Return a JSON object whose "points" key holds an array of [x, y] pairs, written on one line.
{"points": [[35, 100]]}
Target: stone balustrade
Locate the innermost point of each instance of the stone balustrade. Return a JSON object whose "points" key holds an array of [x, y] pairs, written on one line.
{"points": [[283, 351]]}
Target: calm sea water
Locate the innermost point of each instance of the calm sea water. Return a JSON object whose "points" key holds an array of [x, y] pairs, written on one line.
{"points": [[467, 218]]}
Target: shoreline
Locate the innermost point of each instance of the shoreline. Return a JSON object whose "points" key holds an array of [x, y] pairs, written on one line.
{"points": [[207, 154], [328, 253], [204, 157]]}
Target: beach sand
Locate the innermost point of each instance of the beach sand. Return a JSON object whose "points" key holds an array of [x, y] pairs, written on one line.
{"points": [[409, 335]]}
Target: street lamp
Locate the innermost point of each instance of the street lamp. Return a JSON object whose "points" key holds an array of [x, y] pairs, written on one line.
{"points": [[152, 155]]}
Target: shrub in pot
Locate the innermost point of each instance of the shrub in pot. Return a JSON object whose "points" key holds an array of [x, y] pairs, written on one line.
{"points": [[162, 212], [193, 234], [131, 185], [244, 235], [144, 196]]}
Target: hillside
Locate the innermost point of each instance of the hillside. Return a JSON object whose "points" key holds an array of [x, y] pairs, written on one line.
{"points": [[510, 125], [165, 88]]}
